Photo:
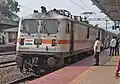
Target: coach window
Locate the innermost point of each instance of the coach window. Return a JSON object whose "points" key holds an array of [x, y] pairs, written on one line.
{"points": [[67, 28], [88, 32]]}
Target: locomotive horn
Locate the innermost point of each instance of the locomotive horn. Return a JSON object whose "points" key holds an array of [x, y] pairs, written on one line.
{"points": [[43, 9], [35, 11]]}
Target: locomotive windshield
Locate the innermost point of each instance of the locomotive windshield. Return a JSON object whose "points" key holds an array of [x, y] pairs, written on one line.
{"points": [[29, 26], [49, 26], [45, 26]]}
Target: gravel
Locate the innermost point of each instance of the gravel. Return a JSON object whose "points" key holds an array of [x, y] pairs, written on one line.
{"points": [[10, 74]]}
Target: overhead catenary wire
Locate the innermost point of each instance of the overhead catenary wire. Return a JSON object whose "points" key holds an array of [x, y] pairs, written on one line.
{"points": [[31, 8], [83, 8], [87, 6], [25, 7], [77, 5], [83, 3]]}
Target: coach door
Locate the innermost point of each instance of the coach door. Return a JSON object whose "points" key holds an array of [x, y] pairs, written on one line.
{"points": [[99, 33], [71, 38]]}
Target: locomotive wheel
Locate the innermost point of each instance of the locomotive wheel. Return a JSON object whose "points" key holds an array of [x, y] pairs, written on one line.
{"points": [[51, 61], [75, 58], [60, 63], [69, 60]]}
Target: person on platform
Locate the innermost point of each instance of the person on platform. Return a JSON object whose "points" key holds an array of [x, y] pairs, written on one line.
{"points": [[117, 47], [97, 47], [112, 46]]}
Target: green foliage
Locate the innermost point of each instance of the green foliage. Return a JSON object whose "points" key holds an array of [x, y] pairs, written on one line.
{"points": [[13, 6], [8, 7]]}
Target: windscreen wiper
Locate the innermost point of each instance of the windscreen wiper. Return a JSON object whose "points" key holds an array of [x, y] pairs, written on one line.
{"points": [[26, 26], [27, 31], [46, 30]]}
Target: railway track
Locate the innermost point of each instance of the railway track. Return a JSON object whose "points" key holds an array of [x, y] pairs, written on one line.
{"points": [[9, 72], [20, 81], [7, 53], [6, 57], [7, 64]]}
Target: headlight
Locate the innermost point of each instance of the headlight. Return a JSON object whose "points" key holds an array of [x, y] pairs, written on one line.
{"points": [[22, 41], [54, 42]]}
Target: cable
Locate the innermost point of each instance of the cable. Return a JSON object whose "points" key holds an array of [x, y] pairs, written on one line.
{"points": [[25, 7], [84, 3], [30, 8], [77, 5], [87, 6]]}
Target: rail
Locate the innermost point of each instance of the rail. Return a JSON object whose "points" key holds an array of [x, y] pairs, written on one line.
{"points": [[7, 64]]}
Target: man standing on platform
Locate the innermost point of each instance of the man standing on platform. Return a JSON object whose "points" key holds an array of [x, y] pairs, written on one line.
{"points": [[112, 46], [117, 47], [97, 47]]}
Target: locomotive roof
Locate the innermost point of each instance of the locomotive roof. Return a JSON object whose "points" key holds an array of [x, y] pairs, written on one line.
{"points": [[53, 15], [44, 16]]}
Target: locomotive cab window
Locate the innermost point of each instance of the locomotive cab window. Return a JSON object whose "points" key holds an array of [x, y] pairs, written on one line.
{"points": [[67, 30], [29, 26], [49, 26]]}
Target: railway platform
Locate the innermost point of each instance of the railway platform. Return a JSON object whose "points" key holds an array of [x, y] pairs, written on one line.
{"points": [[7, 47], [83, 72]]}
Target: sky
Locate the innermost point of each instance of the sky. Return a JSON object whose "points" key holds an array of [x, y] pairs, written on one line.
{"points": [[84, 5], [76, 7]]}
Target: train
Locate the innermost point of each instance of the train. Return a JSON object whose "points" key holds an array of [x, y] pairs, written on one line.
{"points": [[47, 40]]}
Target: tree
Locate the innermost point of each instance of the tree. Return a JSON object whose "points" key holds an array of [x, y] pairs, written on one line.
{"points": [[9, 7], [13, 6]]}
